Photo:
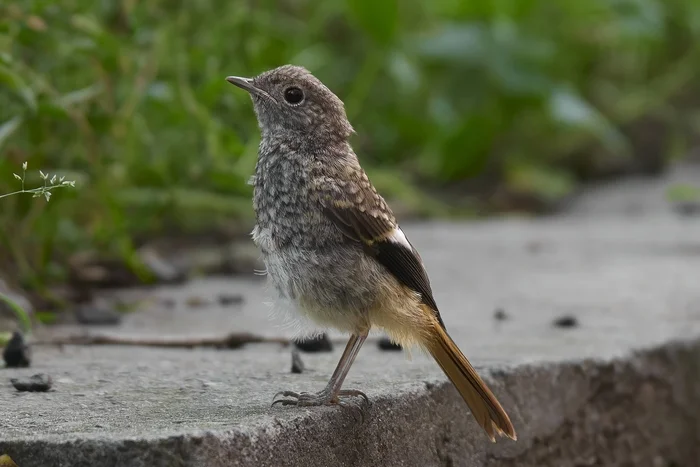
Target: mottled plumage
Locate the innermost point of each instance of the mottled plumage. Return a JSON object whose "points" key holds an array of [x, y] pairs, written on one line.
{"points": [[331, 245]]}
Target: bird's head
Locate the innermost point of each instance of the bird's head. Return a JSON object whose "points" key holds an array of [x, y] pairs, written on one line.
{"points": [[291, 102]]}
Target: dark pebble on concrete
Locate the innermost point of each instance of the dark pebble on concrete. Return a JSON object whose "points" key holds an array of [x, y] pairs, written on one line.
{"points": [[231, 299], [386, 344], [39, 382], [316, 344], [17, 353], [97, 315], [566, 321], [197, 302], [687, 209], [297, 364], [500, 314]]}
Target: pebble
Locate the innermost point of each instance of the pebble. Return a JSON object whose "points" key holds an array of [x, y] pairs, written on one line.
{"points": [[17, 353], [40, 382], [97, 315], [566, 321], [297, 363], [231, 299], [500, 314]]}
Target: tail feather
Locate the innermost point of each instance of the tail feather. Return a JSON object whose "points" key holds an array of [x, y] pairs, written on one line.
{"points": [[483, 404]]}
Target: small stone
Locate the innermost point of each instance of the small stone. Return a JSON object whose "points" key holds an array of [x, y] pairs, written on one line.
{"points": [[500, 314], [231, 299], [566, 321], [40, 382], [17, 353], [386, 344], [315, 344], [297, 364], [687, 208], [97, 315], [196, 302]]}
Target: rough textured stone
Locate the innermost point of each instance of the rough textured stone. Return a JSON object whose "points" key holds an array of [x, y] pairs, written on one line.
{"points": [[639, 411], [620, 388]]}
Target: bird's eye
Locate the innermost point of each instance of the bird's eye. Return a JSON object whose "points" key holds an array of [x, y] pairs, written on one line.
{"points": [[293, 95]]}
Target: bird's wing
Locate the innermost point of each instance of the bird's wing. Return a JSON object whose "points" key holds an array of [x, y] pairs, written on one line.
{"points": [[362, 215]]}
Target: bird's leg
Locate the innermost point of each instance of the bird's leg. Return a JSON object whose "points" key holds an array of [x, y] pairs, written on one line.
{"points": [[331, 393]]}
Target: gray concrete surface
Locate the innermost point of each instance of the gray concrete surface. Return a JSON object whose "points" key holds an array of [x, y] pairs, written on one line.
{"points": [[621, 388], [634, 196]]}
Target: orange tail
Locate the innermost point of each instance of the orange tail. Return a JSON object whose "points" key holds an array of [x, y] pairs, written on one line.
{"points": [[481, 401]]}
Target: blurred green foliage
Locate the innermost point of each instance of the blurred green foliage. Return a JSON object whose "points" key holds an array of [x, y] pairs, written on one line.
{"points": [[128, 98]]}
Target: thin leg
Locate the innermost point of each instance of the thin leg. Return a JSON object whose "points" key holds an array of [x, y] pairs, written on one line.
{"points": [[330, 394]]}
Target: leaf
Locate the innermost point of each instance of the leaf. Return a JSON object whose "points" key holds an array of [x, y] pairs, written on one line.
{"points": [[185, 199], [8, 128], [569, 109], [548, 183], [455, 43], [378, 18], [20, 314], [15, 82], [46, 317], [87, 24], [683, 193], [405, 72], [6, 461], [4, 339], [79, 96]]}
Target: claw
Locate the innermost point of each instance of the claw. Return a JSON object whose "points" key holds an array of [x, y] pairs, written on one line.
{"points": [[304, 399], [355, 409], [354, 393], [284, 402]]}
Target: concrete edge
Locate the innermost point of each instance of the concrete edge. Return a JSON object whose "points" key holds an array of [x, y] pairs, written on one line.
{"points": [[593, 410]]}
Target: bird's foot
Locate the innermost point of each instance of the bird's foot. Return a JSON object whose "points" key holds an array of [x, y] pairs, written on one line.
{"points": [[305, 399]]}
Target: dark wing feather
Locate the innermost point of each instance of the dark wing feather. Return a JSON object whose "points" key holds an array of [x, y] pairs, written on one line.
{"points": [[363, 216], [406, 266]]}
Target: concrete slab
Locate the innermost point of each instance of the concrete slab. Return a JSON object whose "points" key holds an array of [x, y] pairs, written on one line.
{"points": [[621, 387]]}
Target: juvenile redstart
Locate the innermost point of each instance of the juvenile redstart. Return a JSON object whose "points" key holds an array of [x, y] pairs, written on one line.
{"points": [[331, 245]]}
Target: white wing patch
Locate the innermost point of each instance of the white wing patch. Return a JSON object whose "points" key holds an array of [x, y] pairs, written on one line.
{"points": [[397, 236]]}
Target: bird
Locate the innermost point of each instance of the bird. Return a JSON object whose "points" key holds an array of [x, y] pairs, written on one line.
{"points": [[333, 250]]}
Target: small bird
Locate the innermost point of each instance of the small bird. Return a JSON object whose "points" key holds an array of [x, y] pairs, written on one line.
{"points": [[331, 245]]}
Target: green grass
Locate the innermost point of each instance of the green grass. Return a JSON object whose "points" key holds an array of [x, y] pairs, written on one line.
{"points": [[128, 99], [21, 315]]}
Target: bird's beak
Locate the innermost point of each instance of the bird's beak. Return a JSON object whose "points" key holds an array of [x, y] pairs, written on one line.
{"points": [[247, 84]]}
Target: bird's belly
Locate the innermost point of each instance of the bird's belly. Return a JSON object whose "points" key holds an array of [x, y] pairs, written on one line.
{"points": [[337, 287]]}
